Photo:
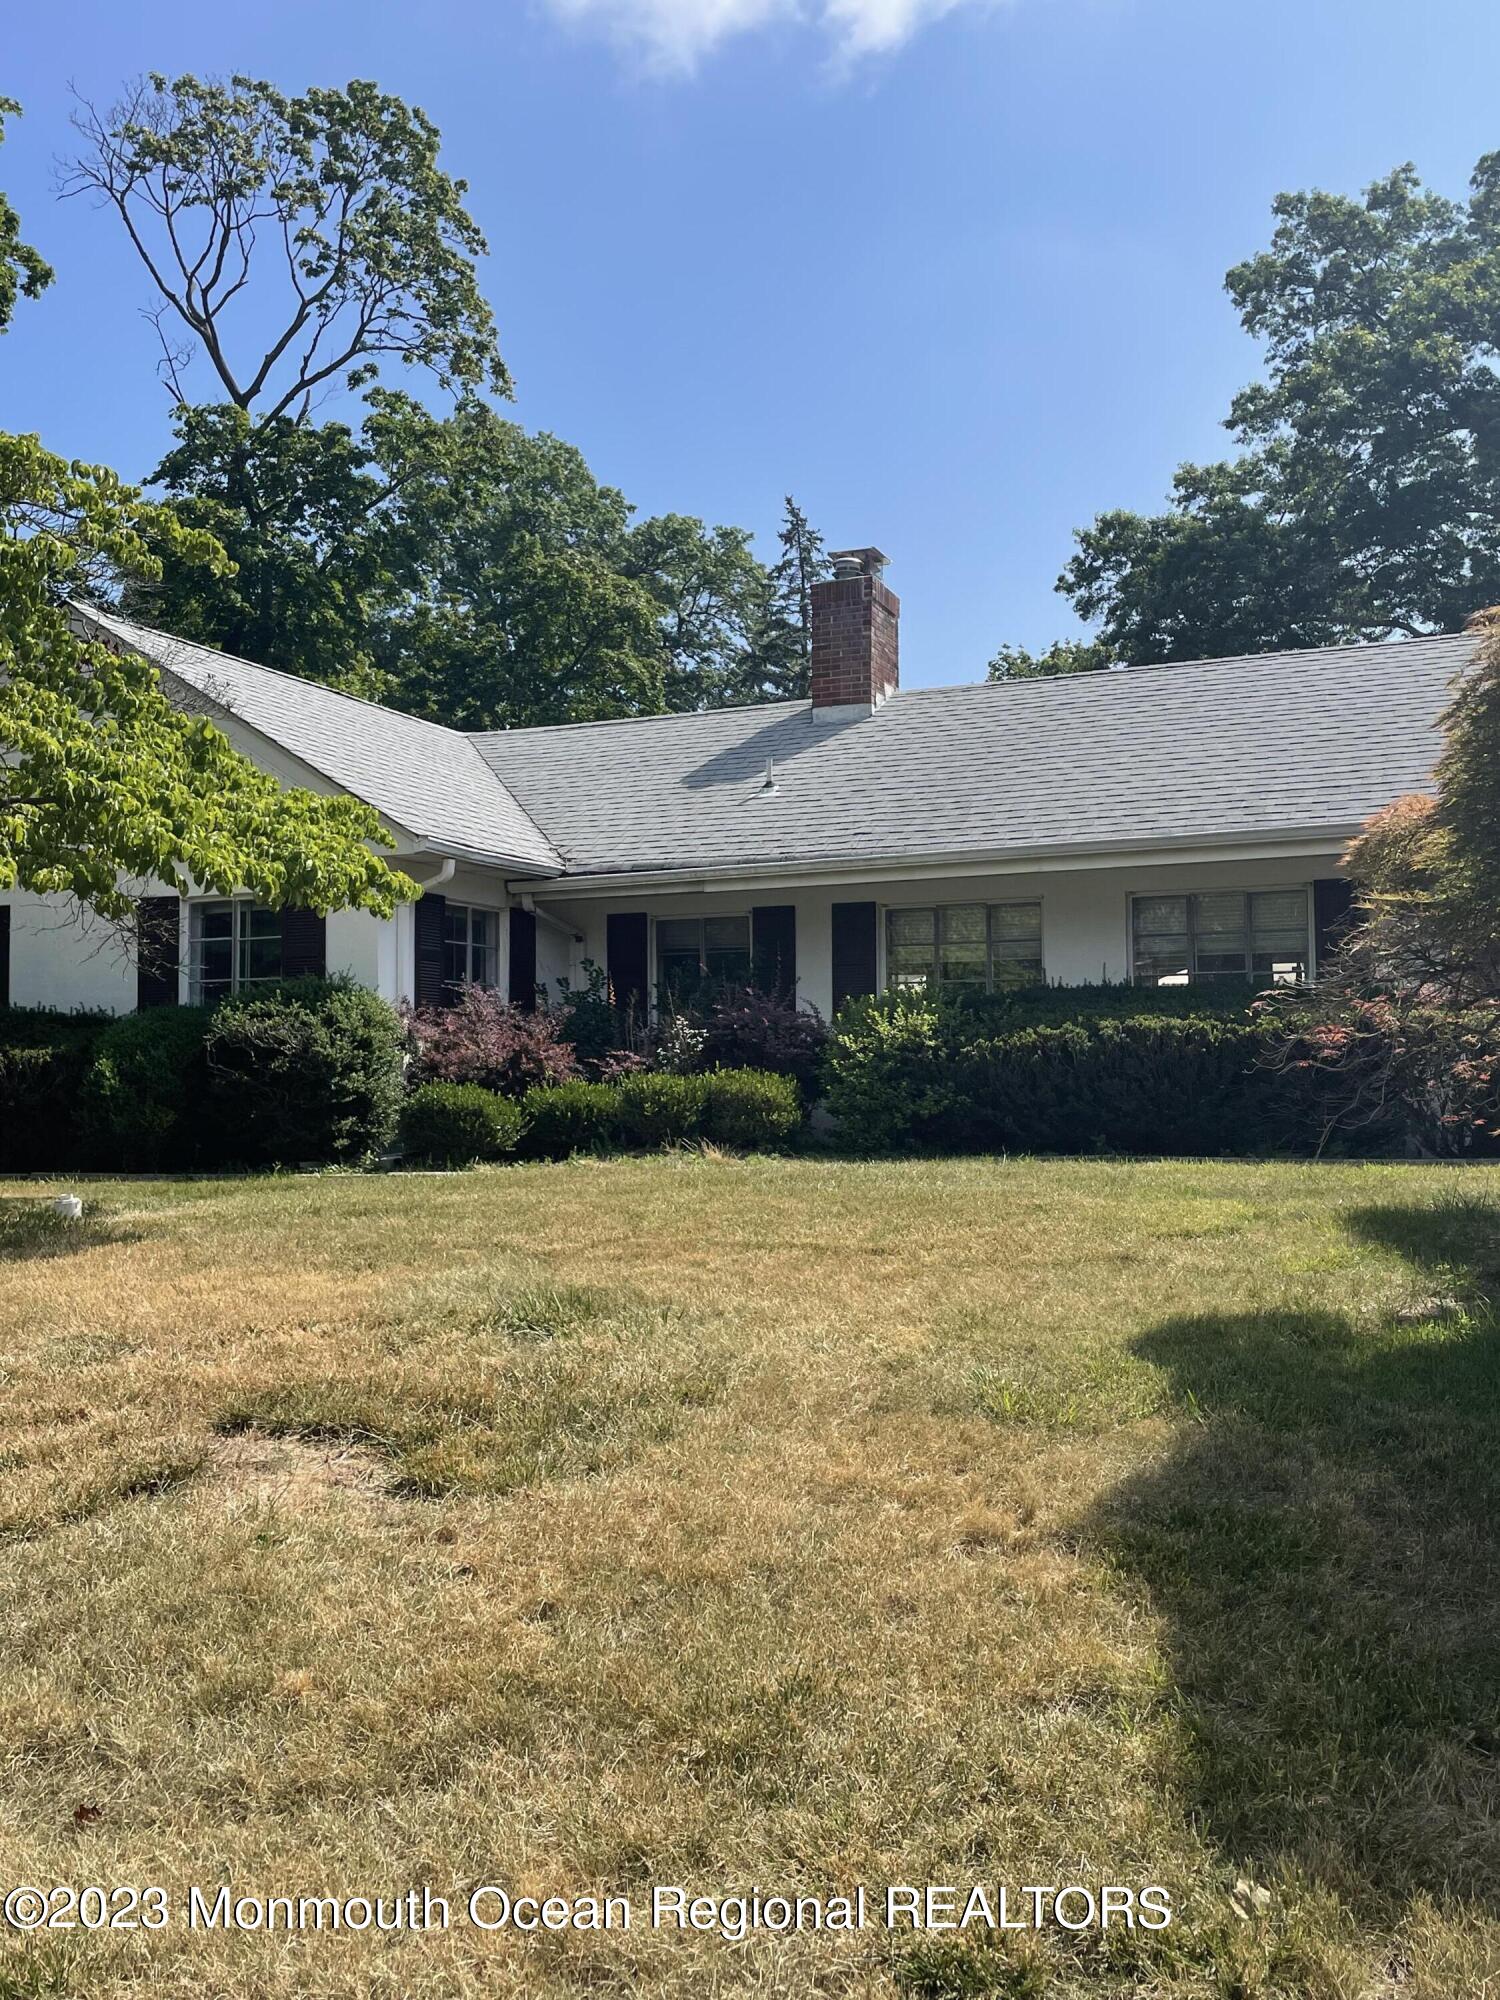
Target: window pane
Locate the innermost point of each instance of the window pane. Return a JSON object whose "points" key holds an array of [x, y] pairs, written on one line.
{"points": [[726, 934], [910, 927], [1016, 920], [908, 964], [215, 964], [1010, 973], [731, 968], [1161, 969], [963, 923], [1280, 910], [483, 933], [1281, 968], [680, 975], [1210, 964], [679, 935], [1219, 915], [1158, 915], [215, 920], [456, 924], [259, 942]]}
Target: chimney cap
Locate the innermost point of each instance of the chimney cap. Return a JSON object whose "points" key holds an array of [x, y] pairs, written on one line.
{"points": [[858, 562]]}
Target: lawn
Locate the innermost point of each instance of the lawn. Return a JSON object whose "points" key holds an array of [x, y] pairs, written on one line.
{"points": [[745, 1524]]}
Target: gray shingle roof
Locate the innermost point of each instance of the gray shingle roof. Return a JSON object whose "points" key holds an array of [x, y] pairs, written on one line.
{"points": [[429, 780], [1276, 743], [1215, 750]]}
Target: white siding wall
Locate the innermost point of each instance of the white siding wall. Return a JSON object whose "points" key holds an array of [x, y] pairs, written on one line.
{"points": [[61, 957], [1085, 911]]}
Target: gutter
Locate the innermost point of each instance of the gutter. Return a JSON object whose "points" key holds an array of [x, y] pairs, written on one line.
{"points": [[1308, 841]]}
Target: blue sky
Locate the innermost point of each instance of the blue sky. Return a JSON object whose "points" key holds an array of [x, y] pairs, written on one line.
{"points": [[949, 271]]}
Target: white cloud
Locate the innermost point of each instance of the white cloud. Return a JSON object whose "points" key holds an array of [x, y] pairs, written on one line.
{"points": [[867, 27], [674, 35]]}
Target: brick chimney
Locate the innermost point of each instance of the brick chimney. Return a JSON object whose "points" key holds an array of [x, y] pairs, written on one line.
{"points": [[854, 631]]}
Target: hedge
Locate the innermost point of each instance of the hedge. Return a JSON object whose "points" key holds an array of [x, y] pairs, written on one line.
{"points": [[757, 1110], [44, 1058], [308, 1070], [660, 1109], [145, 1097], [454, 1124], [909, 1072], [568, 1118]]}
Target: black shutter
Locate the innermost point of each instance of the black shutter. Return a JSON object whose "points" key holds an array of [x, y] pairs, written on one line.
{"points": [[625, 952], [430, 915], [158, 950], [853, 951], [773, 949], [304, 945], [4, 954], [523, 959], [1333, 912]]}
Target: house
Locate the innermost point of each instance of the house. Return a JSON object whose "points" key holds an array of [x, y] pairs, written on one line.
{"points": [[1160, 824]]}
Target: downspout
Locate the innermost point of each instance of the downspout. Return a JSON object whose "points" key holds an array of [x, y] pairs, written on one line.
{"points": [[444, 874]]}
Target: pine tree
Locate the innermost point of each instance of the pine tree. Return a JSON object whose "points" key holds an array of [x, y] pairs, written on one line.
{"points": [[777, 662]]}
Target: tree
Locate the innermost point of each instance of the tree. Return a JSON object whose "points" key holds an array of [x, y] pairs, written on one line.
{"points": [[708, 588], [1063, 656], [103, 777], [1403, 1029], [1365, 502], [461, 567], [517, 606], [335, 194], [23, 272], [777, 664], [295, 507]]}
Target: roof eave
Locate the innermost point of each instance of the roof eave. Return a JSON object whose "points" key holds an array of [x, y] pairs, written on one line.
{"points": [[1309, 840]]}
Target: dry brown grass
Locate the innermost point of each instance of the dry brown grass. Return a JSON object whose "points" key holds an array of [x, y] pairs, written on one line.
{"points": [[736, 1523]]}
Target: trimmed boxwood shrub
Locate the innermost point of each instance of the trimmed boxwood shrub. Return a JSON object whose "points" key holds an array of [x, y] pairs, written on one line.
{"points": [[658, 1109], [307, 1070], [912, 1072], [144, 1100], [569, 1118], [44, 1058], [453, 1124], [751, 1108]]}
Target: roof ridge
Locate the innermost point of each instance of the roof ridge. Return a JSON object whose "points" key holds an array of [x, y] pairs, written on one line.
{"points": [[1094, 676], [477, 736]]}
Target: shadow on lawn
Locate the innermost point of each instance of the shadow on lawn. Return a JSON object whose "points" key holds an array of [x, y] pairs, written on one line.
{"points": [[33, 1228], [1326, 1554]]}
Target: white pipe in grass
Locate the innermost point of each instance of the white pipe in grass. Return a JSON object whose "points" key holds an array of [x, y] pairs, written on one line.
{"points": [[69, 1206]]}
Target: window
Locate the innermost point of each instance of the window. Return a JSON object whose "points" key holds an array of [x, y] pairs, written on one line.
{"points": [[1258, 935], [693, 950], [235, 944], [469, 946], [965, 947]]}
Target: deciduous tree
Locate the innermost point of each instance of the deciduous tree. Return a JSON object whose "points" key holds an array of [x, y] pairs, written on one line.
{"points": [[1365, 499], [24, 273], [326, 213], [103, 778]]}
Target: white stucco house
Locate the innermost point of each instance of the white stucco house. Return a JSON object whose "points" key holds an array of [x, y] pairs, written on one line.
{"points": [[1160, 824]]}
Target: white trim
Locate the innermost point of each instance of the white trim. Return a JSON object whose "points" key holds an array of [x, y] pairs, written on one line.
{"points": [[1310, 844]]}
